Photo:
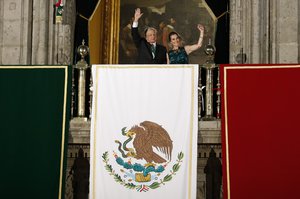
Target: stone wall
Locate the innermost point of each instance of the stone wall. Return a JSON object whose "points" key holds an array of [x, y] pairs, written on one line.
{"points": [[266, 31], [28, 34], [15, 31]]}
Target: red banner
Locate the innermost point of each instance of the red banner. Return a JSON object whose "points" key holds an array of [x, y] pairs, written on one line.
{"points": [[260, 131]]}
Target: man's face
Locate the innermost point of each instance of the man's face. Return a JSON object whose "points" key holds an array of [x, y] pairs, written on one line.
{"points": [[151, 36]]}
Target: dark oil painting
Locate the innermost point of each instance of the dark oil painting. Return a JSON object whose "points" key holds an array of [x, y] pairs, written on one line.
{"points": [[181, 16]]}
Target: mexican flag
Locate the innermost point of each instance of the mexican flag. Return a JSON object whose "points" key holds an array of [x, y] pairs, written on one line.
{"points": [[144, 131]]}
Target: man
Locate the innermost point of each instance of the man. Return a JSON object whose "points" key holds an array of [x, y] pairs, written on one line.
{"points": [[149, 52]]}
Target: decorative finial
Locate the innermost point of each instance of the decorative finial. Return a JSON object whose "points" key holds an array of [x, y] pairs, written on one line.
{"points": [[209, 48], [83, 50]]}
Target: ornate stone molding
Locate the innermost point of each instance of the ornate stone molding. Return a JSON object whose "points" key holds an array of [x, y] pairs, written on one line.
{"points": [[209, 132], [79, 131]]}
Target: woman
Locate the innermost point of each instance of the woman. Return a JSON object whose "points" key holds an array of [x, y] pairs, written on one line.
{"points": [[178, 53]]}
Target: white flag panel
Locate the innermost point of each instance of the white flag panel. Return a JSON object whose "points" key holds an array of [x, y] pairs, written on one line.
{"points": [[144, 131]]}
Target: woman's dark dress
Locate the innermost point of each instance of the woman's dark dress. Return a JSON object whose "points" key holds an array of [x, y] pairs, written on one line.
{"points": [[178, 56]]}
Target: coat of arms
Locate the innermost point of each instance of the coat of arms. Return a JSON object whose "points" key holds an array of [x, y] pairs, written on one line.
{"points": [[143, 157]]}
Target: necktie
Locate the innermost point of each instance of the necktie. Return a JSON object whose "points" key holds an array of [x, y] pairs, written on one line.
{"points": [[153, 50]]}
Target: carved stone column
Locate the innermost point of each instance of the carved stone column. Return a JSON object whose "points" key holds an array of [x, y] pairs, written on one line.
{"points": [[29, 36], [249, 35], [266, 31], [284, 31], [52, 43], [15, 31]]}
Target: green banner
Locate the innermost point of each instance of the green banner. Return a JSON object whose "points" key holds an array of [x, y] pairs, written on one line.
{"points": [[34, 116]]}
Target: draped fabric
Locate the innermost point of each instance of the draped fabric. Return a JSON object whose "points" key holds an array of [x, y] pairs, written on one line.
{"points": [[34, 116], [144, 131], [260, 131]]}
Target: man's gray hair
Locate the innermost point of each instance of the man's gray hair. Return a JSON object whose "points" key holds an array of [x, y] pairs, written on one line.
{"points": [[150, 28]]}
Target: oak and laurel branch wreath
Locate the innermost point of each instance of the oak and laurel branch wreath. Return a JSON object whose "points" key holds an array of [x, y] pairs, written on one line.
{"points": [[154, 185]]}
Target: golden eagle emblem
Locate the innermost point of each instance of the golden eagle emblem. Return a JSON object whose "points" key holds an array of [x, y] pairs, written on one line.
{"points": [[150, 143], [149, 135]]}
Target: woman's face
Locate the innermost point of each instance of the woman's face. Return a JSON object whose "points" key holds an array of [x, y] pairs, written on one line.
{"points": [[175, 40]]}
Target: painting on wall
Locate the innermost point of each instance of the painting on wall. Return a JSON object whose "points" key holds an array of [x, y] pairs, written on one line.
{"points": [[181, 16]]}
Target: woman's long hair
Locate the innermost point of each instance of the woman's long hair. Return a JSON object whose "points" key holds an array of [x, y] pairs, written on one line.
{"points": [[178, 35]]}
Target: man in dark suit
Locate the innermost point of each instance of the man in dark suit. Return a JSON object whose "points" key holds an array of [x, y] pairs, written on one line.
{"points": [[149, 52]]}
